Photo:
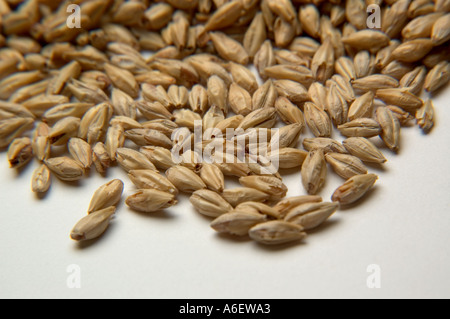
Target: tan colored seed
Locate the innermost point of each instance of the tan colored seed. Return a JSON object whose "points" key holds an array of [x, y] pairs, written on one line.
{"points": [[367, 40], [286, 136], [414, 81], [402, 116], [149, 179], [362, 106], [355, 13], [229, 49], [20, 152], [261, 164], [11, 109], [130, 159], [259, 208], [362, 127], [364, 63], [123, 104], [344, 87], [255, 35], [157, 93], [94, 123], [413, 50], [420, 26], [267, 184], [364, 149], [106, 196], [309, 17], [87, 94], [179, 96], [184, 179], [288, 112], [314, 171], [217, 91], [213, 177], [397, 69], [425, 116], [264, 58], [326, 144], [318, 95], [158, 15], [395, 17], [150, 200], [337, 106], [237, 222], [295, 92], [345, 67], [232, 122], [322, 65], [206, 69], [345, 165], [13, 82], [264, 118], [61, 111], [337, 15], [311, 215], [115, 139], [284, 32], [100, 158], [186, 118], [375, 82], [230, 165], [243, 77], [437, 77], [384, 55], [209, 203], [70, 71], [81, 151], [287, 157], [318, 121], [93, 225], [440, 32], [212, 117], [160, 156], [144, 136], [390, 128], [153, 110], [40, 143], [265, 96], [41, 103], [354, 189], [300, 74], [198, 99], [41, 179], [63, 130], [240, 195], [65, 168], [400, 97], [284, 206], [276, 233], [191, 159], [13, 128], [420, 7], [225, 16], [442, 5], [164, 126]]}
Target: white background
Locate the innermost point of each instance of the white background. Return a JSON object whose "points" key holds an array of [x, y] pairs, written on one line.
{"points": [[402, 226]]}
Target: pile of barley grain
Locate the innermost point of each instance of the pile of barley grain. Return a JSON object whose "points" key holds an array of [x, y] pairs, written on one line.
{"points": [[90, 90]]}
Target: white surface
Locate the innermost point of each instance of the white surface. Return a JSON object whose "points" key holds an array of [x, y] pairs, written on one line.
{"points": [[402, 226]]}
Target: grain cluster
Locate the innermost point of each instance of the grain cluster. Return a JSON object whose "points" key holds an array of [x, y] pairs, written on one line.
{"points": [[129, 86]]}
